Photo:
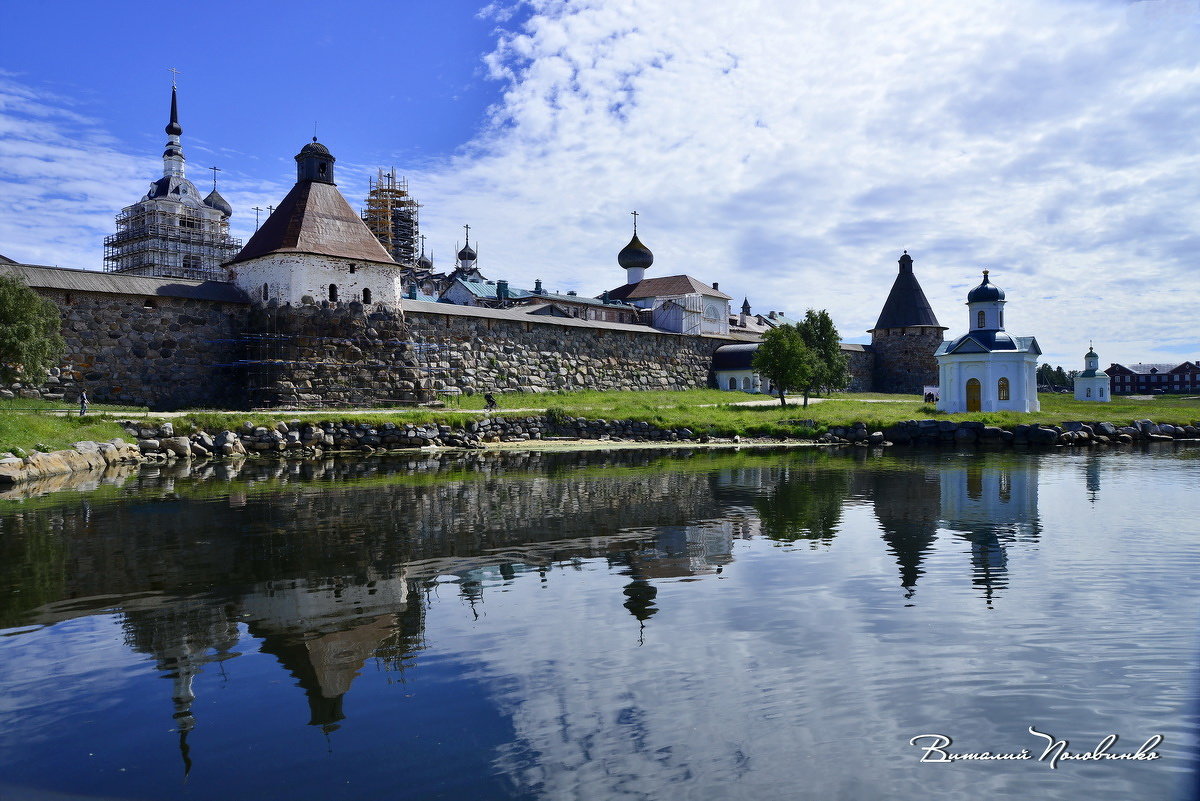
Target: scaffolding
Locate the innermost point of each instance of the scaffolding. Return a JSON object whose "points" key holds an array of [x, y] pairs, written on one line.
{"points": [[172, 243], [392, 216]]}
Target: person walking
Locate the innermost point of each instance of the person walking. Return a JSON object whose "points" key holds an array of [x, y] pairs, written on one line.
{"points": [[83, 403]]}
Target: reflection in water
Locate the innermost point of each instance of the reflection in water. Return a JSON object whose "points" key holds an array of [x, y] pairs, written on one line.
{"points": [[335, 566]]}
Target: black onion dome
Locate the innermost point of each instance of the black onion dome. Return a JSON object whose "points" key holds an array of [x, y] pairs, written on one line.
{"points": [[635, 254], [215, 201], [315, 148], [424, 262], [986, 291], [467, 254]]}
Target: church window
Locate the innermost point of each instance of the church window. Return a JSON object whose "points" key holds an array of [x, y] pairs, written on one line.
{"points": [[333, 293], [1089, 392], [746, 384], [366, 296], [1000, 319], [1002, 389], [979, 318], [733, 383], [1101, 393], [266, 292]]}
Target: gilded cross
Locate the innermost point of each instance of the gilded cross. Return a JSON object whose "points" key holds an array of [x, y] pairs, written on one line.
{"points": [[174, 72]]}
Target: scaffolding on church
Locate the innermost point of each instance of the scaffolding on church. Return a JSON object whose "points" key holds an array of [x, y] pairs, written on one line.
{"points": [[176, 244], [392, 216]]}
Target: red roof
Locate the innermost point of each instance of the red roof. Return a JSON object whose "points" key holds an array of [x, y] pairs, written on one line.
{"points": [[666, 286], [315, 218]]}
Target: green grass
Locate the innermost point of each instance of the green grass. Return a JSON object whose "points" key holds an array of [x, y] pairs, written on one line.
{"points": [[26, 431], [41, 406]]}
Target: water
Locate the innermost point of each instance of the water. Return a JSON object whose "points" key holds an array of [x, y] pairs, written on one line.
{"points": [[628, 624]]}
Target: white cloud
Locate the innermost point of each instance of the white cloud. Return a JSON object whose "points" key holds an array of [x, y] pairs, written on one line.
{"points": [[787, 150]]}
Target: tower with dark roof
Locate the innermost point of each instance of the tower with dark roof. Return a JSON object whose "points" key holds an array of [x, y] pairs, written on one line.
{"points": [[173, 232], [905, 337], [314, 248]]}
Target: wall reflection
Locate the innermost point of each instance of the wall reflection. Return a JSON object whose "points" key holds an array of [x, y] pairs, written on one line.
{"points": [[328, 565]]}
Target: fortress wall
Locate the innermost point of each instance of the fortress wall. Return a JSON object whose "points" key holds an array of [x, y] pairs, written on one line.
{"points": [[161, 352], [170, 352], [904, 361]]}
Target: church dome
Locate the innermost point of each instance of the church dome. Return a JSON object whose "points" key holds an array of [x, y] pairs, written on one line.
{"points": [[635, 255], [424, 262], [215, 201], [467, 254], [985, 292], [314, 148]]}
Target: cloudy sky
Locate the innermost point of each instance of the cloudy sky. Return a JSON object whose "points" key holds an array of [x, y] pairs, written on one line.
{"points": [[788, 150]]}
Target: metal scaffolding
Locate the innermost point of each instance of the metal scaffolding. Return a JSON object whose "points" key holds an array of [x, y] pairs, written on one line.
{"points": [[182, 243], [392, 215]]}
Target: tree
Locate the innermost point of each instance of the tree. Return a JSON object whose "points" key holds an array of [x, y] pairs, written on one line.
{"points": [[821, 337], [786, 361], [30, 338], [1060, 377]]}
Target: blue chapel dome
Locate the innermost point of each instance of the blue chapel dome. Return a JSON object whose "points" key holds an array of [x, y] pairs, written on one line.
{"points": [[985, 292]]}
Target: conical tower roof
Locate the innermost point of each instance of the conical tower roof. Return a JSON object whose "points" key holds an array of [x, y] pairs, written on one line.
{"points": [[907, 305]]}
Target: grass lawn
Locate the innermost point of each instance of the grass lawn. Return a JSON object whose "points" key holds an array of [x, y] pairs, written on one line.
{"points": [[25, 430], [710, 410]]}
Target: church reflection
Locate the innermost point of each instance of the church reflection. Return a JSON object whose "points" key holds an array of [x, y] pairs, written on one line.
{"points": [[989, 501]]}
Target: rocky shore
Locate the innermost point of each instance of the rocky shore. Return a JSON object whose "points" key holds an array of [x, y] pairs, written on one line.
{"points": [[159, 442]]}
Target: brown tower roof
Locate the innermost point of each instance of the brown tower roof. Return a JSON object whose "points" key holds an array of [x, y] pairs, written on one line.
{"points": [[315, 218]]}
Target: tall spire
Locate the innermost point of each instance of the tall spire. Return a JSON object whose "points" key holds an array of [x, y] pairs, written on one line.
{"points": [[173, 155]]}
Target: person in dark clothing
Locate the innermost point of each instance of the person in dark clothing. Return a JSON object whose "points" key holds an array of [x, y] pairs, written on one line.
{"points": [[490, 400], [83, 403]]}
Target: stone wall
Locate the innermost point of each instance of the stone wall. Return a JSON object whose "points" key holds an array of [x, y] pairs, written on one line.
{"points": [[478, 354], [160, 352], [862, 371], [904, 360]]}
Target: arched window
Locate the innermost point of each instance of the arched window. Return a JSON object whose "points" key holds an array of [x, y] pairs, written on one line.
{"points": [[979, 319], [733, 383], [333, 293], [266, 291], [1089, 392], [746, 384], [1101, 392], [1002, 389], [366, 296]]}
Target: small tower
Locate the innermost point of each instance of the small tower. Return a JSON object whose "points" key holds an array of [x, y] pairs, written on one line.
{"points": [[467, 269], [905, 337], [172, 232], [635, 258], [1092, 384], [745, 316]]}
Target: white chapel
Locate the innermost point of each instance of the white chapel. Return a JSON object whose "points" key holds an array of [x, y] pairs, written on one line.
{"points": [[1092, 383], [985, 369]]}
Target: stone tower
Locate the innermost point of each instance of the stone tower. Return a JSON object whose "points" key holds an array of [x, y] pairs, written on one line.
{"points": [[905, 337]]}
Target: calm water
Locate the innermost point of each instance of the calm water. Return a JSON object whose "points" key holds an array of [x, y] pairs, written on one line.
{"points": [[622, 625]]}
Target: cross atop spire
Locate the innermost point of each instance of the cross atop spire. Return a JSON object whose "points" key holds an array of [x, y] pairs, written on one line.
{"points": [[215, 170], [467, 228], [174, 72], [635, 216]]}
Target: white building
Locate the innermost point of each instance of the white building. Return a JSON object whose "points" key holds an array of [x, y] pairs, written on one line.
{"points": [[1092, 383], [678, 303], [314, 248], [985, 369]]}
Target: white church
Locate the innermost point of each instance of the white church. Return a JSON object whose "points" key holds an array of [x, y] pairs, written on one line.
{"points": [[985, 369], [1092, 383]]}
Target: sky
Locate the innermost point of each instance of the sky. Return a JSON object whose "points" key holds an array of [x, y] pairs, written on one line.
{"points": [[788, 150]]}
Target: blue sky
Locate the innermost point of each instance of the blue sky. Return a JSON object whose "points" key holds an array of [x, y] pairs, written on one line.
{"points": [[789, 150]]}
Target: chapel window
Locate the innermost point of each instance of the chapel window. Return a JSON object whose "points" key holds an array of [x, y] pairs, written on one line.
{"points": [[333, 295], [1002, 389], [979, 319], [366, 296]]}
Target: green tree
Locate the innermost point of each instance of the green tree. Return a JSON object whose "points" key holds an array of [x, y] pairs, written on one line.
{"points": [[1045, 375], [786, 361], [821, 337], [1060, 377], [30, 338]]}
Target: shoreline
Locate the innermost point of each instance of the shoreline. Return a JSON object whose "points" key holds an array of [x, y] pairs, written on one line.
{"points": [[312, 440]]}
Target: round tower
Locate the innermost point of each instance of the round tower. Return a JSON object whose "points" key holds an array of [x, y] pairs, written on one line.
{"points": [[905, 337]]}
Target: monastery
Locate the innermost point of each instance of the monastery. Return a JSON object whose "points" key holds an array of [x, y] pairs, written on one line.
{"points": [[316, 310]]}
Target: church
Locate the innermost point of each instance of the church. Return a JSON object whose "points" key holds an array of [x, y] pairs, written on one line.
{"points": [[986, 369]]}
